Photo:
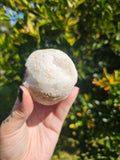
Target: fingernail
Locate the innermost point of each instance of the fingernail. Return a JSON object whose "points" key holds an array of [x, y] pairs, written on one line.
{"points": [[20, 94]]}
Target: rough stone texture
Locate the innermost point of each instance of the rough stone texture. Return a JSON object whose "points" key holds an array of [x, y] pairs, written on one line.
{"points": [[50, 76]]}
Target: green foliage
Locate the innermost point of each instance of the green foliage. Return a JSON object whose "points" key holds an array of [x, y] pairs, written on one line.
{"points": [[89, 32]]}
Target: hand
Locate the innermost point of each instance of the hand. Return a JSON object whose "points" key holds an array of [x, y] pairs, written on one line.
{"points": [[31, 131]]}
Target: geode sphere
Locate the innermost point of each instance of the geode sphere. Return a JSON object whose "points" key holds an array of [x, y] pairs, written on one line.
{"points": [[50, 76]]}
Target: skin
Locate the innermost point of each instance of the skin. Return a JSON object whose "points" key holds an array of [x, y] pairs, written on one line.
{"points": [[32, 130]]}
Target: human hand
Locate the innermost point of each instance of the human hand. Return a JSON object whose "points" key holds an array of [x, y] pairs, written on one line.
{"points": [[32, 130]]}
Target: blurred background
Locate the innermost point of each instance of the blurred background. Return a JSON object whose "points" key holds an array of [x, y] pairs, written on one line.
{"points": [[89, 32]]}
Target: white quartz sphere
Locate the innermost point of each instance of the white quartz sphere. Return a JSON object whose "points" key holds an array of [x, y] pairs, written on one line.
{"points": [[50, 76]]}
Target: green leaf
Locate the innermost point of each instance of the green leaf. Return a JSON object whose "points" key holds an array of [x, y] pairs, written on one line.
{"points": [[4, 17], [18, 78], [2, 39], [44, 22], [108, 144], [26, 3], [79, 2], [16, 57], [12, 4], [118, 25], [118, 158], [1, 60], [74, 3], [72, 117], [79, 123]]}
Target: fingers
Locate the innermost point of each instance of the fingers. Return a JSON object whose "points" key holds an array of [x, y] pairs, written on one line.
{"points": [[64, 106], [20, 112], [24, 103]]}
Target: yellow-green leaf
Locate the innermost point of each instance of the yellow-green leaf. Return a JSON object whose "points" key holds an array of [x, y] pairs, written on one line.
{"points": [[2, 38], [18, 1], [12, 3], [18, 78], [10, 12], [72, 21], [30, 26], [76, 53], [105, 73], [70, 38], [79, 2], [16, 57], [21, 7]]}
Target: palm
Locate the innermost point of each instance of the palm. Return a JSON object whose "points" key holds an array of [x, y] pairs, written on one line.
{"points": [[43, 129]]}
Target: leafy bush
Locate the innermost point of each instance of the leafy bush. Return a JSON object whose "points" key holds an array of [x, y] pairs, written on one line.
{"points": [[89, 32], [95, 122]]}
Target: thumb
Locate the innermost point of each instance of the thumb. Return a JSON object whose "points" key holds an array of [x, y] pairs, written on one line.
{"points": [[22, 109]]}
